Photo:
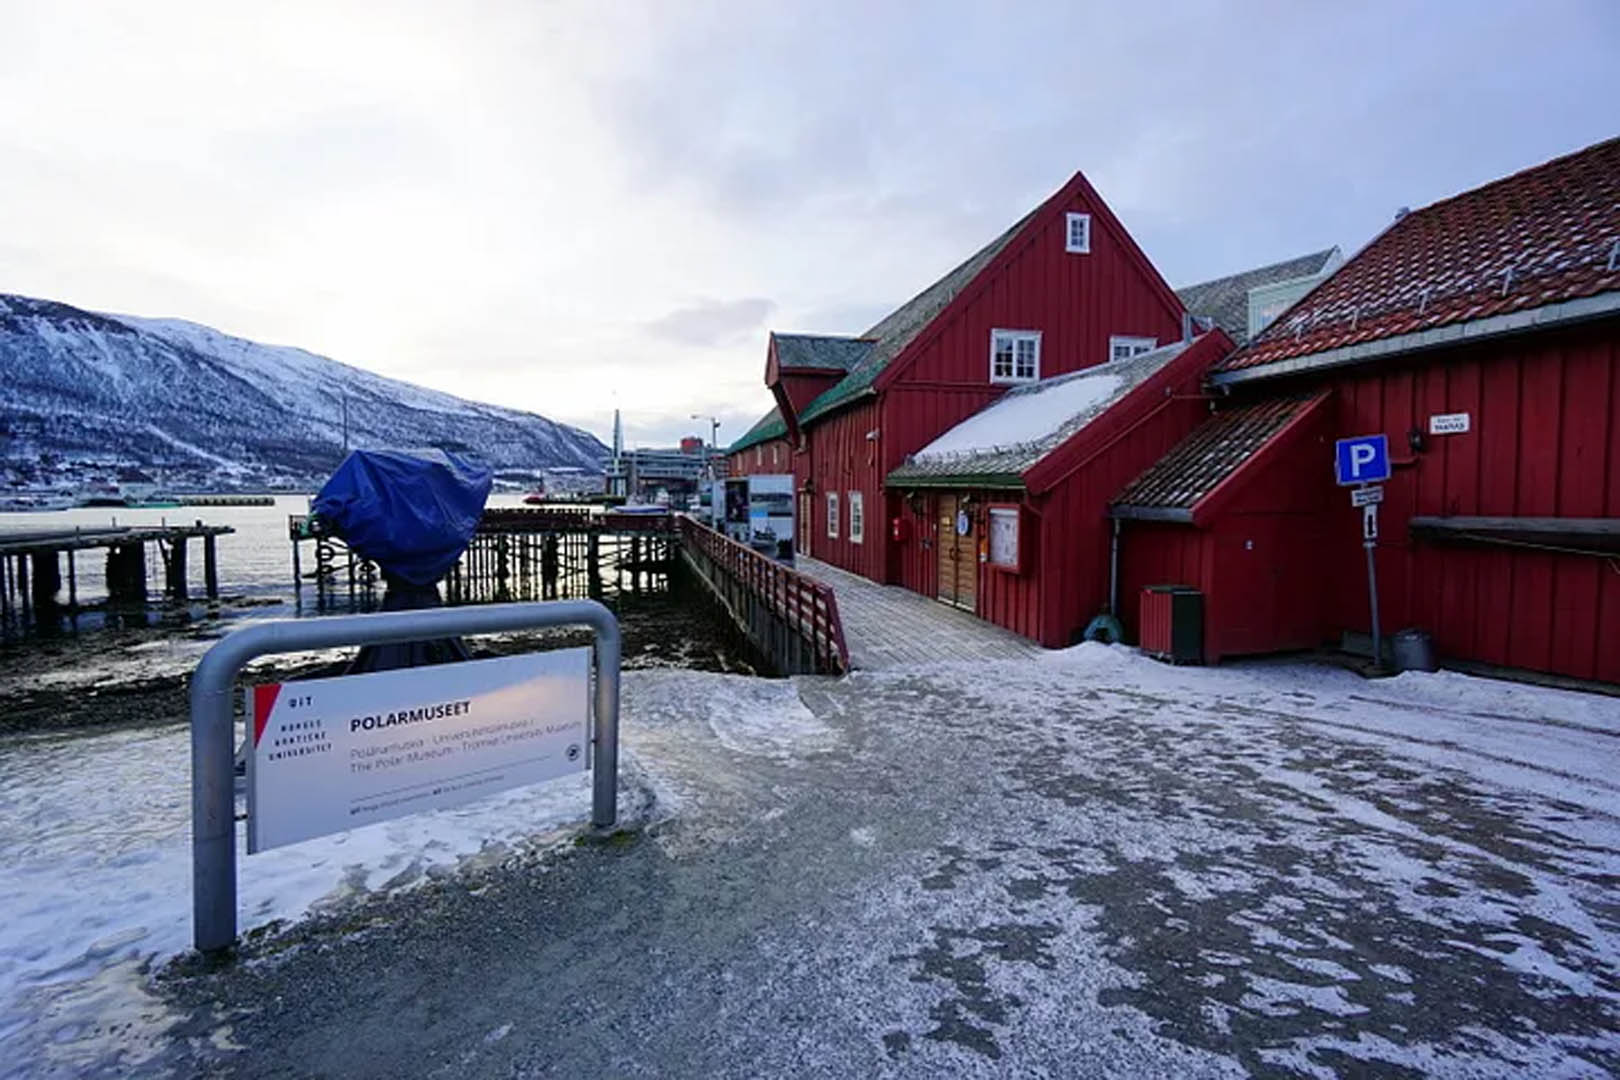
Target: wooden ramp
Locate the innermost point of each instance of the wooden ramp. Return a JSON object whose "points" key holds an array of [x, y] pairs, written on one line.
{"points": [[886, 626]]}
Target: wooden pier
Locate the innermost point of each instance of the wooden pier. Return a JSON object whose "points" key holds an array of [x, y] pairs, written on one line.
{"points": [[35, 566], [544, 553], [559, 553], [788, 616]]}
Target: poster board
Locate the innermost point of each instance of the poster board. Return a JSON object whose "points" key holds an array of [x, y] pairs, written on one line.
{"points": [[329, 755]]}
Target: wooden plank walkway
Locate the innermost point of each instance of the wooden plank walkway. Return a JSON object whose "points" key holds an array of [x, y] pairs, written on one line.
{"points": [[886, 626]]}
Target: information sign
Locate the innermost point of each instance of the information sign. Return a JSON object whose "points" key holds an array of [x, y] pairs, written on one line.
{"points": [[1449, 423], [1366, 496], [339, 753], [1361, 460]]}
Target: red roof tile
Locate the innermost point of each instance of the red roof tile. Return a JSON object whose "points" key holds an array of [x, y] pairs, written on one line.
{"points": [[1541, 236]]}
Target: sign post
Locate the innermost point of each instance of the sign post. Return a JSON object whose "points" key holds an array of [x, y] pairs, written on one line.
{"points": [[1363, 463], [213, 744]]}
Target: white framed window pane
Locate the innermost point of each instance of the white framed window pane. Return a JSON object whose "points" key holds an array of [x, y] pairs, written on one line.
{"points": [[832, 515], [1004, 357], [857, 517], [1026, 358], [1079, 233]]}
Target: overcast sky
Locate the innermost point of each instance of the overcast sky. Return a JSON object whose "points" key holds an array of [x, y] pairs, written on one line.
{"points": [[566, 207]]}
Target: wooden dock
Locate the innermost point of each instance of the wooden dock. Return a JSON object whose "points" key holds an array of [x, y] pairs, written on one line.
{"points": [[791, 618], [35, 566], [541, 553]]}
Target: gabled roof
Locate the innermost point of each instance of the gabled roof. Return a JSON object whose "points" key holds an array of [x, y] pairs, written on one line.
{"points": [[1546, 236], [819, 351], [1000, 442], [1172, 488], [768, 427], [895, 331], [1226, 300]]}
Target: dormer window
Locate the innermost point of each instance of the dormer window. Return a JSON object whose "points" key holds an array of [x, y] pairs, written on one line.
{"points": [[1123, 348], [1077, 235], [1015, 356]]}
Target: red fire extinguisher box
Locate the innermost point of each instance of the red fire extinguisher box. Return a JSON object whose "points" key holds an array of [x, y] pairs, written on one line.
{"points": [[1172, 623]]}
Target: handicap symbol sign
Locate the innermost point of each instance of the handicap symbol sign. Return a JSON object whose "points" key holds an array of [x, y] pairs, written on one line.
{"points": [[1361, 460]]}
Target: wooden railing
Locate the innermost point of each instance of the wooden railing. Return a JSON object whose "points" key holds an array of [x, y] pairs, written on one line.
{"points": [[791, 617]]}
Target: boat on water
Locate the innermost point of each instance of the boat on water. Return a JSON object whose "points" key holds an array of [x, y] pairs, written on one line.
{"points": [[26, 502], [128, 497]]}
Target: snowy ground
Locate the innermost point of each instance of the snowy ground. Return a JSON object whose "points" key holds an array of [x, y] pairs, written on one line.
{"points": [[1081, 864]]}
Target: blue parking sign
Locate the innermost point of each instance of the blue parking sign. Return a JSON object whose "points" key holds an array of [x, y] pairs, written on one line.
{"points": [[1362, 460]]}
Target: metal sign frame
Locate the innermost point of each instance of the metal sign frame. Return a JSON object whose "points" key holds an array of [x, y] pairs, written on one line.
{"points": [[213, 728]]}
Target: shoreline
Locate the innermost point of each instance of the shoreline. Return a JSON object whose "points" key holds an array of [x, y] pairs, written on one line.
{"points": [[115, 679]]}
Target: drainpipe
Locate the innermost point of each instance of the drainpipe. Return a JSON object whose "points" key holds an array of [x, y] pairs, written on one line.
{"points": [[1113, 570]]}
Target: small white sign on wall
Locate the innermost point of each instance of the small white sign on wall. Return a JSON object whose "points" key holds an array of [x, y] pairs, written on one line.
{"points": [[1449, 423]]}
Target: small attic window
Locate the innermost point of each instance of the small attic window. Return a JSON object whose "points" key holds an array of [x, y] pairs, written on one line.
{"points": [[1077, 234], [1123, 348]]}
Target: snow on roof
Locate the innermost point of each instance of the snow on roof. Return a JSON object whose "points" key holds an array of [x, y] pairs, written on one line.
{"points": [[1023, 425]]}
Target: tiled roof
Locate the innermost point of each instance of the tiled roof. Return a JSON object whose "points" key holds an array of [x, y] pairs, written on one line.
{"points": [[1214, 451], [1226, 300], [768, 427], [819, 351], [1004, 464], [1538, 237], [892, 334]]}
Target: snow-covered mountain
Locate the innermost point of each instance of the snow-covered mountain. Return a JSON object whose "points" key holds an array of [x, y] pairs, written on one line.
{"points": [[165, 393]]}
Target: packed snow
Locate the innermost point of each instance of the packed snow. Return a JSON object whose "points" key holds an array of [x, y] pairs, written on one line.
{"points": [[1039, 411], [95, 871]]}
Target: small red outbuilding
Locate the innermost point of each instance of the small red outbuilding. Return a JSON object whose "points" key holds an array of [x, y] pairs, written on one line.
{"points": [[1481, 336]]}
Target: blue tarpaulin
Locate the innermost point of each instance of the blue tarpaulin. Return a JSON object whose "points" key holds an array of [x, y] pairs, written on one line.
{"points": [[412, 512]]}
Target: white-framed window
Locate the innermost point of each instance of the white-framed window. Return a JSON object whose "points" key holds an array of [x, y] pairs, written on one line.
{"points": [[1004, 537], [1077, 234], [776, 449], [1121, 347], [1015, 356], [832, 515], [857, 518], [758, 454]]}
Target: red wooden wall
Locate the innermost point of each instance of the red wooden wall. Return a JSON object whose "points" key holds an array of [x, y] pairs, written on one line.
{"points": [[772, 456], [843, 459], [1544, 442], [1076, 301]]}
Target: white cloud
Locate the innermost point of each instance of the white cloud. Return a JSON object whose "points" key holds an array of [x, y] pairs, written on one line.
{"points": [[575, 206]]}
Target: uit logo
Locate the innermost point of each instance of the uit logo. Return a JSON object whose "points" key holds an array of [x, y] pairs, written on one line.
{"points": [[299, 738]]}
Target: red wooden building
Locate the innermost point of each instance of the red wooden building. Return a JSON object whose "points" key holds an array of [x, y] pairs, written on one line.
{"points": [[1065, 288], [1481, 335], [1006, 514]]}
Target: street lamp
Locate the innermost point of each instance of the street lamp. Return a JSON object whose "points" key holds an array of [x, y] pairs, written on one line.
{"points": [[714, 443]]}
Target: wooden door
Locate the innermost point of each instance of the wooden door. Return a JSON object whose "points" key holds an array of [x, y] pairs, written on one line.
{"points": [[958, 555], [805, 503]]}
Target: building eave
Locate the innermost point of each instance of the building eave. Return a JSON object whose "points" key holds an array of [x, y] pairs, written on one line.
{"points": [[957, 481], [1547, 316], [1178, 514]]}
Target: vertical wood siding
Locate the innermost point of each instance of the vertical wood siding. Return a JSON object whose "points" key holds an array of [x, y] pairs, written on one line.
{"points": [[776, 456], [1076, 301], [1544, 441], [843, 459]]}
